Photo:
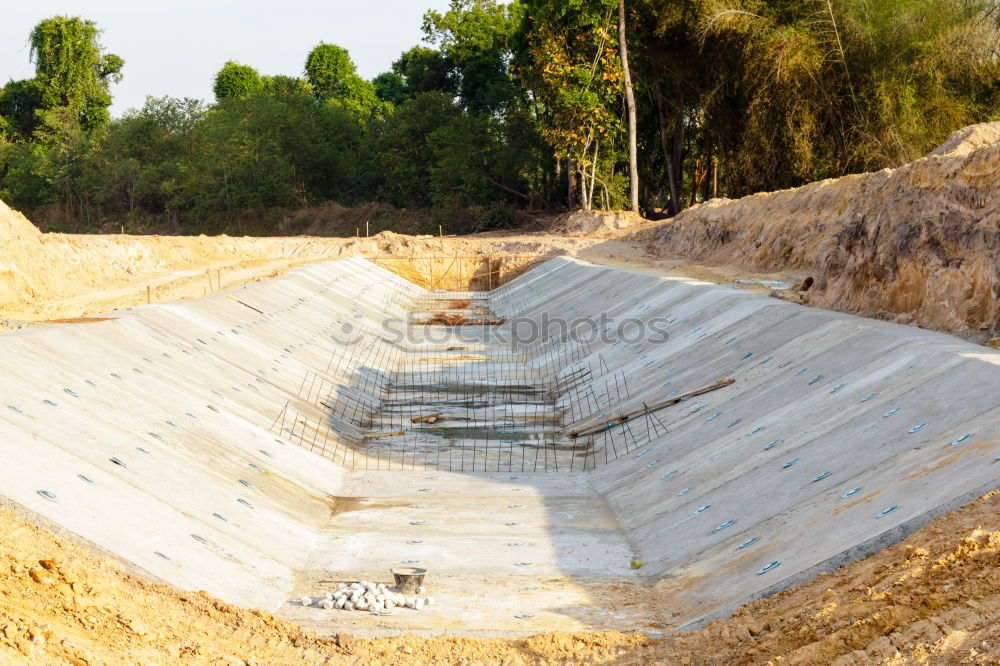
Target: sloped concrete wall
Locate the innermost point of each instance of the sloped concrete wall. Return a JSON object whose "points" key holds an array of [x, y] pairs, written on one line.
{"points": [[183, 394], [840, 435]]}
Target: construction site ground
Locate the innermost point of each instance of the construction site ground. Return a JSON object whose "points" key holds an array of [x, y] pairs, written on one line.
{"points": [[932, 599]]}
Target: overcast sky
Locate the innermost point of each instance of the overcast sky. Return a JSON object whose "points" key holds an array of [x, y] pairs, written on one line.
{"points": [[175, 47]]}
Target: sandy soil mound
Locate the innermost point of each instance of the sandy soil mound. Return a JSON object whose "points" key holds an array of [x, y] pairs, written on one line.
{"points": [[51, 275], [18, 238], [919, 244], [597, 222]]}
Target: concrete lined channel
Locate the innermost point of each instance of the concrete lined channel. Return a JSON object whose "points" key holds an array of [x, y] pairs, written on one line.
{"points": [[334, 423]]}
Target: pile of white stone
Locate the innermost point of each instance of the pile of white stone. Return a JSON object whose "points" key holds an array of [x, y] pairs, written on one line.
{"points": [[368, 596]]}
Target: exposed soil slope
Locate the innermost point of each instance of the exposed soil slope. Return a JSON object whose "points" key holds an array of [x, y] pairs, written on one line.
{"points": [[919, 244], [51, 275]]}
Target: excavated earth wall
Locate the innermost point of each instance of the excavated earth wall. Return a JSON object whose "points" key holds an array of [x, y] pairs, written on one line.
{"points": [[919, 244]]}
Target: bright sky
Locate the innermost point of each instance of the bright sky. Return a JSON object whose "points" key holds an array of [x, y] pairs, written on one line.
{"points": [[175, 47]]}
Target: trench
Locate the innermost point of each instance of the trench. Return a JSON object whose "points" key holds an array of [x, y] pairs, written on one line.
{"points": [[335, 423]]}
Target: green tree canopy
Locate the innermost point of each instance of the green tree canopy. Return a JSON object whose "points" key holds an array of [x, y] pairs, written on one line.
{"points": [[72, 71], [329, 69], [477, 37], [390, 87], [426, 70], [235, 80], [19, 101]]}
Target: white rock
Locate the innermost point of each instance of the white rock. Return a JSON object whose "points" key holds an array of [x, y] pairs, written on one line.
{"points": [[348, 606], [362, 605], [327, 604], [409, 603], [306, 601], [418, 604], [388, 605], [429, 601], [421, 589], [328, 595], [339, 604]]}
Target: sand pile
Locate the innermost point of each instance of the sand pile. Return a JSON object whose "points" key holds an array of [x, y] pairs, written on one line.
{"points": [[919, 244], [592, 222], [46, 276], [20, 239]]}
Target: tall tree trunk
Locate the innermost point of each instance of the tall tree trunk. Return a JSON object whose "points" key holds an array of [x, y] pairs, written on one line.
{"points": [[678, 156], [593, 177], [668, 157], [633, 158], [571, 178]]}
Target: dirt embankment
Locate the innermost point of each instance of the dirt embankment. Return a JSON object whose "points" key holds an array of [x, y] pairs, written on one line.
{"points": [[933, 599], [52, 275], [919, 244], [605, 223]]}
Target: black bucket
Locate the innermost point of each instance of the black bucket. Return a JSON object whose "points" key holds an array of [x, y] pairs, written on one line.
{"points": [[408, 579]]}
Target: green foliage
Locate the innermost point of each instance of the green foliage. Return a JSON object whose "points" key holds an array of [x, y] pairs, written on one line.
{"points": [[19, 100], [332, 75], [571, 63], [477, 37], [425, 70], [235, 80], [71, 71], [828, 88], [286, 86], [505, 105], [330, 70], [402, 150], [390, 87]]}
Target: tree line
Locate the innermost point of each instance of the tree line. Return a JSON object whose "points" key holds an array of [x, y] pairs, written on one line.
{"points": [[530, 104]]}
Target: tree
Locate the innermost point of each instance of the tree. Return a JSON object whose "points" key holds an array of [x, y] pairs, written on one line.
{"points": [[633, 158], [819, 89], [425, 70], [477, 38], [571, 63], [71, 71], [280, 85], [19, 102], [390, 87], [235, 80], [401, 148], [329, 69]]}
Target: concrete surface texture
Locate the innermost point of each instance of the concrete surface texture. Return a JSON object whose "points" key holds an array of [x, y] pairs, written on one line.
{"points": [[273, 441]]}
